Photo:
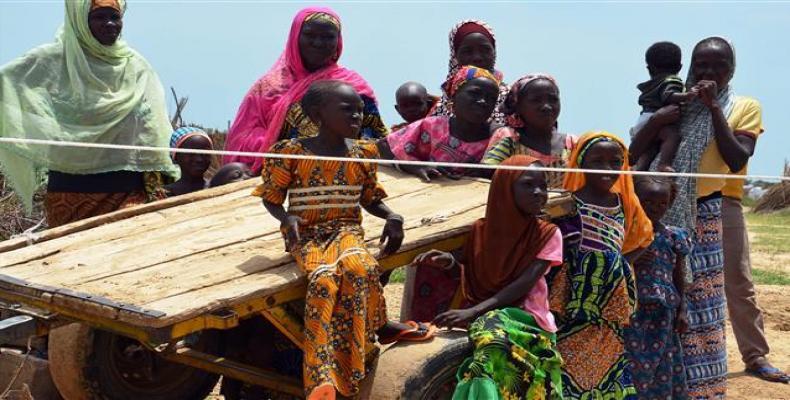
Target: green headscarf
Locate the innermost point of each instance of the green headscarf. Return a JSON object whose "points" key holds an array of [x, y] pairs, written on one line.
{"points": [[77, 89]]}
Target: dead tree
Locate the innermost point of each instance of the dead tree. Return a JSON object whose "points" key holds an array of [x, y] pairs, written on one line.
{"points": [[177, 120]]}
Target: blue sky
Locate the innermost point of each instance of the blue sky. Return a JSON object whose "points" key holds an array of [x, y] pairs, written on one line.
{"points": [[212, 51]]}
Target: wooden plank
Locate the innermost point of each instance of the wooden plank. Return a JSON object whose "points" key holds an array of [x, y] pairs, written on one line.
{"points": [[54, 233], [217, 223], [197, 302], [231, 262], [236, 189]]}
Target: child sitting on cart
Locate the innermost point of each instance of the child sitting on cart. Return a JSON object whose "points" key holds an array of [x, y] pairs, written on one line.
{"points": [[345, 307]]}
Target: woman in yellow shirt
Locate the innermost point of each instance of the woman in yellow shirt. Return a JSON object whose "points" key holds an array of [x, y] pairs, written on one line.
{"points": [[718, 132]]}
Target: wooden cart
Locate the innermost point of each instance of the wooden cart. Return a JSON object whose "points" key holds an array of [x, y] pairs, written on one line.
{"points": [[144, 302]]}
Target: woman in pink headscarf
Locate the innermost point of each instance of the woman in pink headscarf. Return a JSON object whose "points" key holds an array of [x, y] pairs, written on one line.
{"points": [[271, 110]]}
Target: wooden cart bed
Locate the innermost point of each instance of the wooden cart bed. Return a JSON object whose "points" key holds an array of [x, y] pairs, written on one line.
{"points": [[175, 262]]}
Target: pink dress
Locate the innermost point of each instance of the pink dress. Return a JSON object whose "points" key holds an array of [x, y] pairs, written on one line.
{"points": [[429, 139], [537, 300]]}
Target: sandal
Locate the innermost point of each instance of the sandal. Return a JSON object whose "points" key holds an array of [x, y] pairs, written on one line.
{"points": [[770, 374], [419, 332], [323, 392]]}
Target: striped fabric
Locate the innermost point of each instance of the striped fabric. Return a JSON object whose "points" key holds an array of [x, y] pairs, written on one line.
{"points": [[602, 227]]}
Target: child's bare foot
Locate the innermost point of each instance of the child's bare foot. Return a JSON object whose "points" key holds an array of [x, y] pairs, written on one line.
{"points": [[325, 391], [394, 331], [665, 168]]}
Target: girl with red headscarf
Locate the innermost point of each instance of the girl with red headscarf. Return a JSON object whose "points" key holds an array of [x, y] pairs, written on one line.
{"points": [[271, 111]]}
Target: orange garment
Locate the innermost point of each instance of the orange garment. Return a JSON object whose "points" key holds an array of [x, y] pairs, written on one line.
{"points": [[345, 301], [638, 228], [105, 3]]}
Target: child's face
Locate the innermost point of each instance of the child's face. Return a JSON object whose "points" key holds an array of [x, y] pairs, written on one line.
{"points": [[530, 192], [412, 105], [539, 107], [475, 100], [655, 200], [105, 24], [341, 113], [194, 165], [712, 62], [606, 156], [232, 172], [476, 49], [318, 44]]}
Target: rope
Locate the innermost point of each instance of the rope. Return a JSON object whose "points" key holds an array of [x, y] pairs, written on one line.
{"points": [[384, 161]]}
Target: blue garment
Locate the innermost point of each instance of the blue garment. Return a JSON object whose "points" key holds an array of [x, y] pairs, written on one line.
{"points": [[654, 347]]}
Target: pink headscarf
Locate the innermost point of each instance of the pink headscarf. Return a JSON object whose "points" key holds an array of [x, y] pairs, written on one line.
{"points": [[262, 112]]}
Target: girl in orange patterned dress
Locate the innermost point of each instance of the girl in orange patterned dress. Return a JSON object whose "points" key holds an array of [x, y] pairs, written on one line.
{"points": [[344, 307]]}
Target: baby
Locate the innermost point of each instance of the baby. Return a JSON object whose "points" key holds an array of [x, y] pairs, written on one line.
{"points": [[664, 88], [413, 103]]}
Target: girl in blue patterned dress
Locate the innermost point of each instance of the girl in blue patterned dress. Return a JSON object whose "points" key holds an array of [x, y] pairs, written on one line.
{"points": [[653, 339]]}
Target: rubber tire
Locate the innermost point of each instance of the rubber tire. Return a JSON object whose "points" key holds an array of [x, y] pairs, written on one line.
{"points": [[412, 370], [75, 352]]}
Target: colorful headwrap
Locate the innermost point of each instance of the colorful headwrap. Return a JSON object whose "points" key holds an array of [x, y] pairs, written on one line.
{"points": [[324, 17], [638, 228], [466, 74], [511, 101], [95, 4], [181, 135]]}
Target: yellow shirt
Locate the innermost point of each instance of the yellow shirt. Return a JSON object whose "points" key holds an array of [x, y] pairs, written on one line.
{"points": [[746, 117]]}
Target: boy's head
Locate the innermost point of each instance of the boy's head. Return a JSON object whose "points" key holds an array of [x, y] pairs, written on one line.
{"points": [[412, 101], [656, 194], [335, 107], [229, 173], [663, 58]]}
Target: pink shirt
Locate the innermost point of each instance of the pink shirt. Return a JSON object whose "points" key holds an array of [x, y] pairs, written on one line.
{"points": [[537, 301], [429, 139]]}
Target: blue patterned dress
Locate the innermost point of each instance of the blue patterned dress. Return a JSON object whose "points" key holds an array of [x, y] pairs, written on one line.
{"points": [[653, 345]]}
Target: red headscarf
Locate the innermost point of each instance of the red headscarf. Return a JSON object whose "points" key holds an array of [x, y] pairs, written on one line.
{"points": [[262, 113], [504, 243]]}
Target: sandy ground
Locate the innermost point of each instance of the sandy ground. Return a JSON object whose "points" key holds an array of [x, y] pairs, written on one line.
{"points": [[775, 302]]}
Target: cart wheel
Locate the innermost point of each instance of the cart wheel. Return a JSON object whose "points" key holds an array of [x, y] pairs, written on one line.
{"points": [[421, 370], [88, 364]]}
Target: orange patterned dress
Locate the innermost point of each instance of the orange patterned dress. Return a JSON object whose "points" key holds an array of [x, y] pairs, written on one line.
{"points": [[345, 301]]}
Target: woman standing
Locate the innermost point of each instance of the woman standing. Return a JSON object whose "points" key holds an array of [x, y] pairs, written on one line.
{"points": [[271, 110], [90, 87], [719, 132]]}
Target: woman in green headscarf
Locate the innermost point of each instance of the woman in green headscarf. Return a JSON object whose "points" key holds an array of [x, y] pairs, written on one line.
{"points": [[87, 87]]}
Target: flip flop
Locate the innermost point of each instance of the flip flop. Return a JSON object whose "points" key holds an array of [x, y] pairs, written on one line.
{"points": [[770, 374], [408, 335], [323, 392]]}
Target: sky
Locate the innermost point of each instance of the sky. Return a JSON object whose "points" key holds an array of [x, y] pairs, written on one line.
{"points": [[212, 51]]}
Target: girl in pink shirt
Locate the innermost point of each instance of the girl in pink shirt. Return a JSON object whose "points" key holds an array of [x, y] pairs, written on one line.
{"points": [[502, 269]]}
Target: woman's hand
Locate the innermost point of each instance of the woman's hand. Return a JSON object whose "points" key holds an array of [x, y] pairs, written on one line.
{"points": [[434, 259], [455, 318], [708, 91], [667, 114], [427, 173], [392, 235], [291, 227]]}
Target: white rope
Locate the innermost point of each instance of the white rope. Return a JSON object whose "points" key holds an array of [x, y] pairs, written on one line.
{"points": [[384, 161]]}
